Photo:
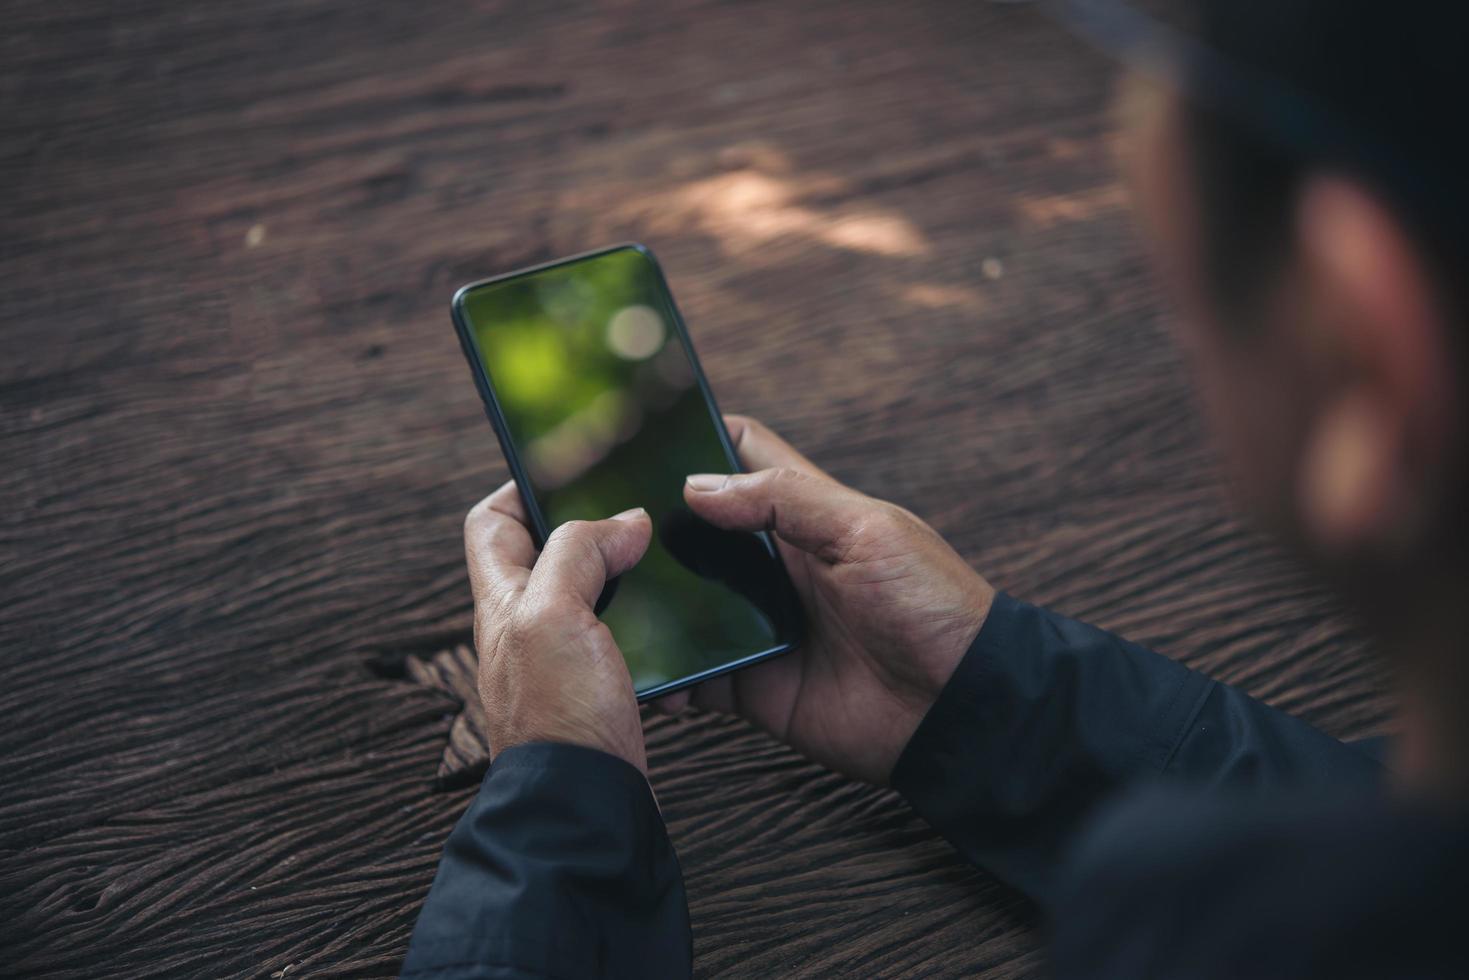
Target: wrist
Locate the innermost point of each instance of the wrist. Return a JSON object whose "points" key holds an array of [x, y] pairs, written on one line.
{"points": [[616, 739], [934, 669]]}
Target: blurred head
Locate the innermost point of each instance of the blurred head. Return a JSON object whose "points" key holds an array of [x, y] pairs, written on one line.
{"points": [[1320, 281]]}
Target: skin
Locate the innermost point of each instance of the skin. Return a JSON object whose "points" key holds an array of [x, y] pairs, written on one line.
{"points": [[1335, 408], [891, 609], [549, 670]]}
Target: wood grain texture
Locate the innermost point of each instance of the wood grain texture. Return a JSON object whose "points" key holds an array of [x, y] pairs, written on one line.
{"points": [[238, 439]]}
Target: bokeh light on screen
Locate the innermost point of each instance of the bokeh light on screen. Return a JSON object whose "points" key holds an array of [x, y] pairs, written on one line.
{"points": [[636, 332], [601, 398], [577, 444]]}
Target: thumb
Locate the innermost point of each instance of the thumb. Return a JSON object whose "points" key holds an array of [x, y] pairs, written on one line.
{"points": [[580, 556], [808, 512]]}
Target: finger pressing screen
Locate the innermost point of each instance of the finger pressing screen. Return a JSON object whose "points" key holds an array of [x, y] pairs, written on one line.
{"points": [[580, 556], [812, 513]]}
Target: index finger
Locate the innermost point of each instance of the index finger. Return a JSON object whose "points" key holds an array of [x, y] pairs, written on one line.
{"points": [[758, 448], [497, 543]]}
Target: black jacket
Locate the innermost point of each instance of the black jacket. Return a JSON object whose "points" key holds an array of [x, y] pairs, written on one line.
{"points": [[1168, 825]]}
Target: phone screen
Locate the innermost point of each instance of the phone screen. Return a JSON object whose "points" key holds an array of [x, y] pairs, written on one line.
{"points": [[602, 407]]}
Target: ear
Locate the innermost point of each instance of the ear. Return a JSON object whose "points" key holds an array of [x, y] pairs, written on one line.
{"points": [[1383, 428]]}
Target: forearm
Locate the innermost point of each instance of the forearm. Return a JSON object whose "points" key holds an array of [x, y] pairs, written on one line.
{"points": [[1046, 717], [561, 867]]}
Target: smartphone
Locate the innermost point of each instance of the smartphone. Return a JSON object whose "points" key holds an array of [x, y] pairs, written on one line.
{"points": [[590, 381]]}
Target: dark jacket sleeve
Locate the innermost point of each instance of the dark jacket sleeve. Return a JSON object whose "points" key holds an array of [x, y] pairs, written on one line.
{"points": [[560, 868], [1045, 718]]}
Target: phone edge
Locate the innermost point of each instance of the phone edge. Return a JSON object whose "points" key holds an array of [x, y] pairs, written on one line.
{"points": [[539, 528]]}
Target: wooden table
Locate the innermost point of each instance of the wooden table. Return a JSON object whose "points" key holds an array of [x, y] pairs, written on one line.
{"points": [[238, 438]]}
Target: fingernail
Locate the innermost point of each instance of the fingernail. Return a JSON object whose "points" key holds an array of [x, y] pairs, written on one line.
{"points": [[629, 515], [707, 482]]}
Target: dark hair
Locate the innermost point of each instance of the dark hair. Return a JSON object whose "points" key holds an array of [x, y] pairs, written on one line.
{"points": [[1382, 88]]}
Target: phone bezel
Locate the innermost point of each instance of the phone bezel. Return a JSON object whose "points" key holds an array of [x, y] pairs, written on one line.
{"points": [[540, 530]]}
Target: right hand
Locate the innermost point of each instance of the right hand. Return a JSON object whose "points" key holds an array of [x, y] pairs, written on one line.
{"points": [[890, 609]]}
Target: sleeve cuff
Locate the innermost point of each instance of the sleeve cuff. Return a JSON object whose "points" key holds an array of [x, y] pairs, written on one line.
{"points": [[954, 712], [560, 867], [1043, 717], [578, 761]]}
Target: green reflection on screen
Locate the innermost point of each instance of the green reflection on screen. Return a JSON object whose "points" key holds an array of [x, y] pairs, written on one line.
{"points": [[605, 413]]}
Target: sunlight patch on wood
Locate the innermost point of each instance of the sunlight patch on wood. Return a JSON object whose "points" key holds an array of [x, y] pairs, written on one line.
{"points": [[745, 209], [937, 296], [880, 234], [1049, 210]]}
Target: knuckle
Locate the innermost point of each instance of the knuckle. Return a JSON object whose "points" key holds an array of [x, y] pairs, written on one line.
{"points": [[889, 522], [784, 476], [481, 520], [474, 519], [570, 533], [784, 483]]}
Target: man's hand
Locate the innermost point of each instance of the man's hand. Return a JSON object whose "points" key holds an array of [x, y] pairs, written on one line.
{"points": [[890, 609], [549, 671]]}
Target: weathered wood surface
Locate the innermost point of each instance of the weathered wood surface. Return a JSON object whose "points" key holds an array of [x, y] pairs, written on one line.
{"points": [[238, 440]]}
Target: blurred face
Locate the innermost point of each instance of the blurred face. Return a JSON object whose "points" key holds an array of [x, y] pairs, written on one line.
{"points": [[1250, 377], [1332, 388]]}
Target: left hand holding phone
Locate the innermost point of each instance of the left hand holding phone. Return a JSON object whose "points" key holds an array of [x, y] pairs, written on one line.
{"points": [[549, 670]]}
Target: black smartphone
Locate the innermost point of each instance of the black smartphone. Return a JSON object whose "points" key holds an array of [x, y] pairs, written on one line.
{"points": [[590, 381]]}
